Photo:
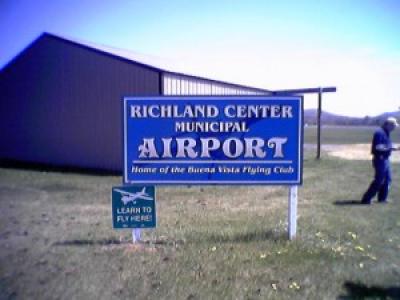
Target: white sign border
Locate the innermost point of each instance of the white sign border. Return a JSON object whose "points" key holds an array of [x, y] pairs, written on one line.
{"points": [[300, 99]]}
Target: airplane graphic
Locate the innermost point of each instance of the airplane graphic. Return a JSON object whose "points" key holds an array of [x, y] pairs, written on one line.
{"points": [[132, 197]]}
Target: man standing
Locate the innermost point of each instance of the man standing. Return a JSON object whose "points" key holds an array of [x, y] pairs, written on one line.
{"points": [[381, 149]]}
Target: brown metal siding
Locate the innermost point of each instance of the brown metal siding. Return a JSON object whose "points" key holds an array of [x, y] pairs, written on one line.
{"points": [[60, 104]]}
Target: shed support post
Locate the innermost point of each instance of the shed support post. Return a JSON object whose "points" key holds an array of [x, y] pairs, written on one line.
{"points": [[292, 212], [319, 124]]}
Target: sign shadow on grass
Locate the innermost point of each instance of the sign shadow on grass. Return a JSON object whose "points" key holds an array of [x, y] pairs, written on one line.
{"points": [[109, 242], [361, 291], [348, 202], [103, 242], [244, 237]]}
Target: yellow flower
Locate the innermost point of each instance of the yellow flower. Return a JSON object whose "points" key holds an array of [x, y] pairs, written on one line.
{"points": [[359, 248], [371, 256], [213, 248], [352, 234], [263, 255], [337, 249], [294, 285]]}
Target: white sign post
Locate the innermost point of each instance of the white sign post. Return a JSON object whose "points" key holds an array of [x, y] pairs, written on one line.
{"points": [[136, 235], [292, 212]]}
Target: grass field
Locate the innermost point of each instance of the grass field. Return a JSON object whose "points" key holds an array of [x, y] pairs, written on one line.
{"points": [[57, 241], [343, 135]]}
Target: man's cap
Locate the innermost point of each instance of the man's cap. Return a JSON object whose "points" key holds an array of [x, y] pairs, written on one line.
{"points": [[392, 121]]}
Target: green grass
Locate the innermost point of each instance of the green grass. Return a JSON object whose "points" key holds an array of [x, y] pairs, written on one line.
{"points": [[344, 135], [57, 241]]}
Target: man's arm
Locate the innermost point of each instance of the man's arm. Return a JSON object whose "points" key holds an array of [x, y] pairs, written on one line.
{"points": [[380, 143]]}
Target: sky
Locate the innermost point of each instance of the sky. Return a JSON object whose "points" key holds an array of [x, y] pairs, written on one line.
{"points": [[352, 45]]}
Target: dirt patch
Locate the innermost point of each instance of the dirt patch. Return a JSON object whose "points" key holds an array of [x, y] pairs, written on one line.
{"points": [[355, 152], [20, 193], [60, 187]]}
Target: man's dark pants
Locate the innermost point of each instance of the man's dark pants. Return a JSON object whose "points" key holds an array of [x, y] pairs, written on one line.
{"points": [[380, 184]]}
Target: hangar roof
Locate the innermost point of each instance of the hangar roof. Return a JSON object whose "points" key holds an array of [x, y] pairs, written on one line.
{"points": [[156, 63]]}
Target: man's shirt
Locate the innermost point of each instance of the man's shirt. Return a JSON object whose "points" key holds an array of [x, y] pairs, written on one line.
{"points": [[381, 144]]}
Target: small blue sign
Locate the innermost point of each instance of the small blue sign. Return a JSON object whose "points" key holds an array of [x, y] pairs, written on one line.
{"points": [[133, 207], [213, 140]]}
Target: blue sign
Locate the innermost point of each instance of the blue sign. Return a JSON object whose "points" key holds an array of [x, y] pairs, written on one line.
{"points": [[213, 140], [133, 207]]}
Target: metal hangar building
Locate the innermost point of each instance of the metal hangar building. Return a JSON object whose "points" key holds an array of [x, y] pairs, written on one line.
{"points": [[60, 100]]}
